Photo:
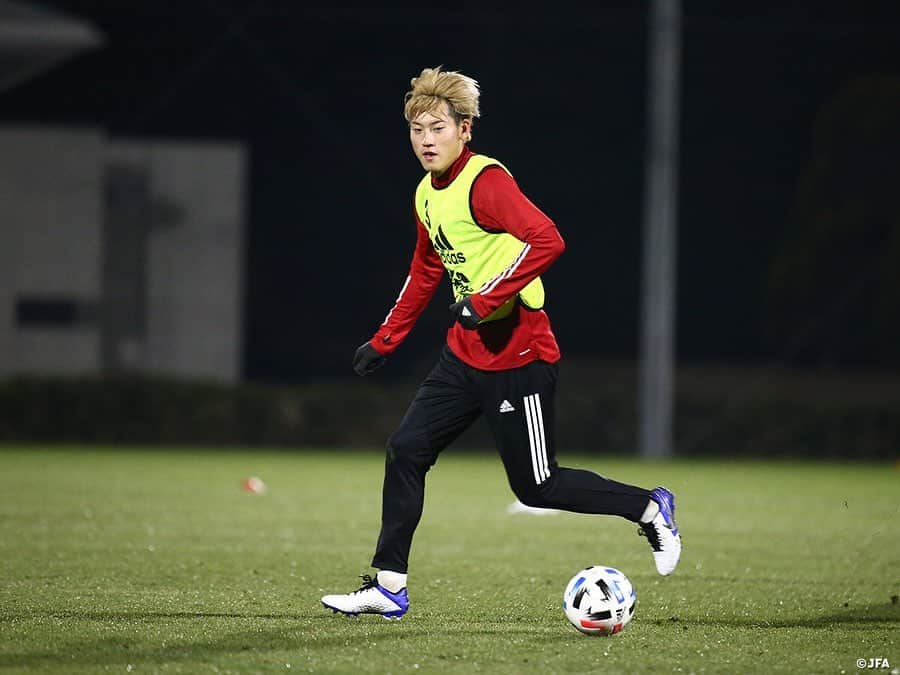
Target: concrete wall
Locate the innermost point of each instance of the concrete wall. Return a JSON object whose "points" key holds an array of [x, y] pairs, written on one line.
{"points": [[50, 244], [139, 242], [194, 256]]}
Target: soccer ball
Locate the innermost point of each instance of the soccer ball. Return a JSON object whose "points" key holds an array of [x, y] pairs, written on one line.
{"points": [[599, 601]]}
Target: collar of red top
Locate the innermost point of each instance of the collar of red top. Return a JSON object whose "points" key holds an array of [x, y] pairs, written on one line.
{"points": [[447, 177]]}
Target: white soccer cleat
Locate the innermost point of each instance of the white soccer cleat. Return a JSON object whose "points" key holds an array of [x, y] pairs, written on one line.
{"points": [[662, 532], [371, 598]]}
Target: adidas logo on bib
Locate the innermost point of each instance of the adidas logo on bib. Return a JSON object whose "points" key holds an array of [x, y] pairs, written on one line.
{"points": [[506, 407]]}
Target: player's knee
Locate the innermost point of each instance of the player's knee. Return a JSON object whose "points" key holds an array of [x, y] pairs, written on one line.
{"points": [[532, 495], [539, 495], [399, 447], [405, 448], [531, 498]]}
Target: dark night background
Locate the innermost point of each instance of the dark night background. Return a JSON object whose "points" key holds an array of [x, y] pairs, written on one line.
{"points": [[316, 93]]}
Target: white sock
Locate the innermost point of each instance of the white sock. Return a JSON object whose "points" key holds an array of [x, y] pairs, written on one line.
{"points": [[393, 581], [650, 512]]}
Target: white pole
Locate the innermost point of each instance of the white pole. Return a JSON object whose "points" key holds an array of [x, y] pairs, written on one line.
{"points": [[660, 228]]}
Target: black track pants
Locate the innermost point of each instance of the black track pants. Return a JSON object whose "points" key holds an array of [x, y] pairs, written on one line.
{"points": [[519, 407]]}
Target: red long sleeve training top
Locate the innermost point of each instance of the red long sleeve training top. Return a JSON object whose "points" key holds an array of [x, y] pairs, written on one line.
{"points": [[525, 335]]}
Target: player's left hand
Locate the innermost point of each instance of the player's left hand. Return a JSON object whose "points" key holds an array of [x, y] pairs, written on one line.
{"points": [[466, 315], [367, 359]]}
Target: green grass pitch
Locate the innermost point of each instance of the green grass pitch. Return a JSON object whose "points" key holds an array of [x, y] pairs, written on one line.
{"points": [[146, 561]]}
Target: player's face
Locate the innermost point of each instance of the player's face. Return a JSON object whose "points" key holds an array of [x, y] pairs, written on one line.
{"points": [[437, 139]]}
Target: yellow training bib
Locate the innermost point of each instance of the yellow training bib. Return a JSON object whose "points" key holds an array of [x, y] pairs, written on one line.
{"points": [[475, 258]]}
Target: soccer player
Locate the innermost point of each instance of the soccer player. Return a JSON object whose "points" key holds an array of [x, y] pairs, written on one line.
{"points": [[501, 356]]}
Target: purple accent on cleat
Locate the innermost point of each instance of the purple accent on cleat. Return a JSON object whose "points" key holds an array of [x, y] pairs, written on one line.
{"points": [[401, 599], [666, 502]]}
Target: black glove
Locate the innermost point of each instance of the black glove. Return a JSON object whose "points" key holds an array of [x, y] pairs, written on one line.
{"points": [[466, 315], [367, 359]]}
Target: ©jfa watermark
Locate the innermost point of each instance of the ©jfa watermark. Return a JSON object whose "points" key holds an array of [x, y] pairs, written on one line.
{"points": [[873, 662]]}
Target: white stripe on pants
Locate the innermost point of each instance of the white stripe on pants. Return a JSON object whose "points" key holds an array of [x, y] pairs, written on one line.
{"points": [[535, 421]]}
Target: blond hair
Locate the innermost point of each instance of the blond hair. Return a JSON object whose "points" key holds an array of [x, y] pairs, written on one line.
{"points": [[434, 87]]}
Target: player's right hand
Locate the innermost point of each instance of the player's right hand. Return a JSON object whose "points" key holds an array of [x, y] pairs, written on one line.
{"points": [[367, 359]]}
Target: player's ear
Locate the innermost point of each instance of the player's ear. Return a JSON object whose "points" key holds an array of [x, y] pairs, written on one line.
{"points": [[465, 129]]}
